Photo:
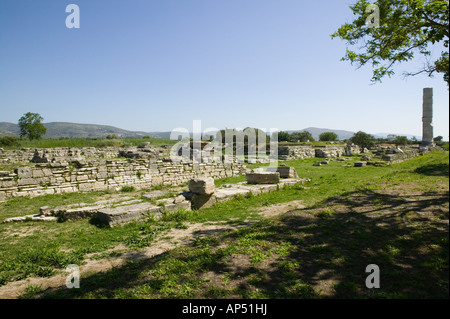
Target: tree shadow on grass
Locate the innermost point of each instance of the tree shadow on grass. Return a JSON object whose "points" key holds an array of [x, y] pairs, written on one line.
{"points": [[406, 236], [434, 170], [327, 255]]}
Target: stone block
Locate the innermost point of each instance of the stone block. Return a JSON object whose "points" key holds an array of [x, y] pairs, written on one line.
{"points": [[37, 173], [263, 178], [45, 211], [82, 178], [285, 171], [360, 164], [7, 184], [154, 194], [47, 172], [24, 172], [202, 186], [125, 214], [199, 201], [170, 205], [388, 157], [4, 173], [86, 187], [80, 213], [26, 181]]}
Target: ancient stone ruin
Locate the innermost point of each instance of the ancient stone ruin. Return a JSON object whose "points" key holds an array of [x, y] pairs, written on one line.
{"points": [[202, 194], [427, 118]]}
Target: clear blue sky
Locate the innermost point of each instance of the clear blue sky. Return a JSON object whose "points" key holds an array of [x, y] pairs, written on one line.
{"points": [[155, 65]]}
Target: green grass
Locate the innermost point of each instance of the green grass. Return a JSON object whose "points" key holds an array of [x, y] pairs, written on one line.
{"points": [[87, 142], [275, 258]]}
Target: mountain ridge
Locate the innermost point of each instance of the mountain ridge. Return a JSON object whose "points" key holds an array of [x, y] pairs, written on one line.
{"points": [[68, 129]]}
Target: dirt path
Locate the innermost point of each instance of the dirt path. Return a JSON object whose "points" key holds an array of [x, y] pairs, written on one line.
{"points": [[174, 238]]}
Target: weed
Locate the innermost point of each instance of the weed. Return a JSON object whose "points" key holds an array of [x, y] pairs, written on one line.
{"points": [[127, 189], [325, 213]]}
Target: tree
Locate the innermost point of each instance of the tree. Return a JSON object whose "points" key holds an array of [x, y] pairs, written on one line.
{"points": [[363, 140], [400, 141], [30, 126], [391, 137], [303, 136], [284, 136], [328, 136], [438, 138], [404, 28]]}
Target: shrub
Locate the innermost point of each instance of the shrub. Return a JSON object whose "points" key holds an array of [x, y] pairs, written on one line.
{"points": [[328, 136], [127, 189], [9, 141]]}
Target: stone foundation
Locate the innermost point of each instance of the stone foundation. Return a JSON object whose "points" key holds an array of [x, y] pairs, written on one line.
{"points": [[294, 152], [77, 176]]}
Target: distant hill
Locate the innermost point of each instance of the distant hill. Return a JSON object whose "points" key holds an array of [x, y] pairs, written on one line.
{"points": [[409, 136], [9, 129], [65, 129]]}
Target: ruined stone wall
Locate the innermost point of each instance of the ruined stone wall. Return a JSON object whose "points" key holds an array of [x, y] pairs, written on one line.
{"points": [[400, 156], [306, 151], [58, 154], [65, 177]]}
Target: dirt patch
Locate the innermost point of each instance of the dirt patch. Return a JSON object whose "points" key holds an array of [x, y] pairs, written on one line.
{"points": [[279, 209], [27, 230], [174, 238]]}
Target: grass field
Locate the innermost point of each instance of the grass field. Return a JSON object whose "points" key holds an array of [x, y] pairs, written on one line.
{"points": [[395, 217], [85, 142]]}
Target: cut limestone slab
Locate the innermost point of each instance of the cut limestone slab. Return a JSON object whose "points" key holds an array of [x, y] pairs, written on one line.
{"points": [[125, 214], [80, 213], [172, 204], [34, 218], [263, 178], [199, 201], [202, 186], [154, 194], [285, 171]]}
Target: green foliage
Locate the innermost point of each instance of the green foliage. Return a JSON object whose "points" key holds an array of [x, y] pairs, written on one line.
{"points": [[9, 141], [401, 140], [31, 127], [406, 27], [328, 136], [284, 136], [325, 213], [362, 139], [127, 189], [303, 136], [14, 143]]}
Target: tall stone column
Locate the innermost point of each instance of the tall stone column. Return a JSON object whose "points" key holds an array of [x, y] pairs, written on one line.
{"points": [[427, 117]]}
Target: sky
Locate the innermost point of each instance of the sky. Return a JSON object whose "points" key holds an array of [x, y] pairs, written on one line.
{"points": [[157, 65]]}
